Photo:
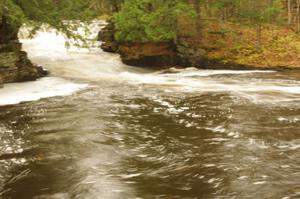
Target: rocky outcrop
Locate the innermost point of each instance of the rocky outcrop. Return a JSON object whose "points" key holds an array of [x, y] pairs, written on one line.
{"points": [[187, 43], [184, 52], [14, 63], [138, 54], [188, 55], [155, 54], [152, 54], [106, 35]]}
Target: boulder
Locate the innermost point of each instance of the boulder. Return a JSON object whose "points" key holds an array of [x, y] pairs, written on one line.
{"points": [[16, 67], [14, 63], [27, 71], [151, 54]]}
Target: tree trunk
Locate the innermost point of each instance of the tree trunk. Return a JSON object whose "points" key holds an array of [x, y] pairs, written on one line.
{"points": [[3, 30], [289, 12], [116, 6], [298, 17], [196, 4]]}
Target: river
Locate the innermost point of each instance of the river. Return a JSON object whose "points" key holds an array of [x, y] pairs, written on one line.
{"points": [[96, 128]]}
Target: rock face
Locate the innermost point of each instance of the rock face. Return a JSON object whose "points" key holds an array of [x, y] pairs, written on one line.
{"points": [[187, 43], [152, 54], [107, 36], [14, 63], [188, 55]]}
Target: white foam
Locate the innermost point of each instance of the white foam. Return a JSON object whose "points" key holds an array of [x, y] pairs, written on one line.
{"points": [[51, 40], [195, 72], [32, 91]]}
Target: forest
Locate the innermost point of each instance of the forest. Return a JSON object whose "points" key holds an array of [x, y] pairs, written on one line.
{"points": [[164, 20], [248, 32]]}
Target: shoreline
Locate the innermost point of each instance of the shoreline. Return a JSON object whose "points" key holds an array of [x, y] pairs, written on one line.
{"points": [[206, 64], [184, 53], [15, 66]]}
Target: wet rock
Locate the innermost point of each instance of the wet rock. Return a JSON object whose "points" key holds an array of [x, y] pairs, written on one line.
{"points": [[188, 42], [27, 71], [15, 65], [151, 54], [106, 36], [189, 56]]}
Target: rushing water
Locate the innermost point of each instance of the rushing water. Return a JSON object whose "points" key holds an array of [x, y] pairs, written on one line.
{"points": [[115, 131]]}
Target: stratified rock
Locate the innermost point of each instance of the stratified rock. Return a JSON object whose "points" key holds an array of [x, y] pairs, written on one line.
{"points": [[26, 70], [106, 36], [191, 57], [155, 54], [151, 54], [15, 65]]}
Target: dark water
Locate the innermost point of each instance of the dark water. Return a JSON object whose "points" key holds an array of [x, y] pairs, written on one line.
{"points": [[166, 134]]}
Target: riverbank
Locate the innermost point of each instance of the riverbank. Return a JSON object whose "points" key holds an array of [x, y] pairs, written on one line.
{"points": [[15, 65], [219, 46]]}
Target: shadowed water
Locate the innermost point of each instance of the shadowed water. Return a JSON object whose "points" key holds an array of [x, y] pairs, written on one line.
{"points": [[133, 133]]}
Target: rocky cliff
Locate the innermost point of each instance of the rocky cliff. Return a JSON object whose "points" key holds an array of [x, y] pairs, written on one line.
{"points": [[150, 54], [14, 63]]}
